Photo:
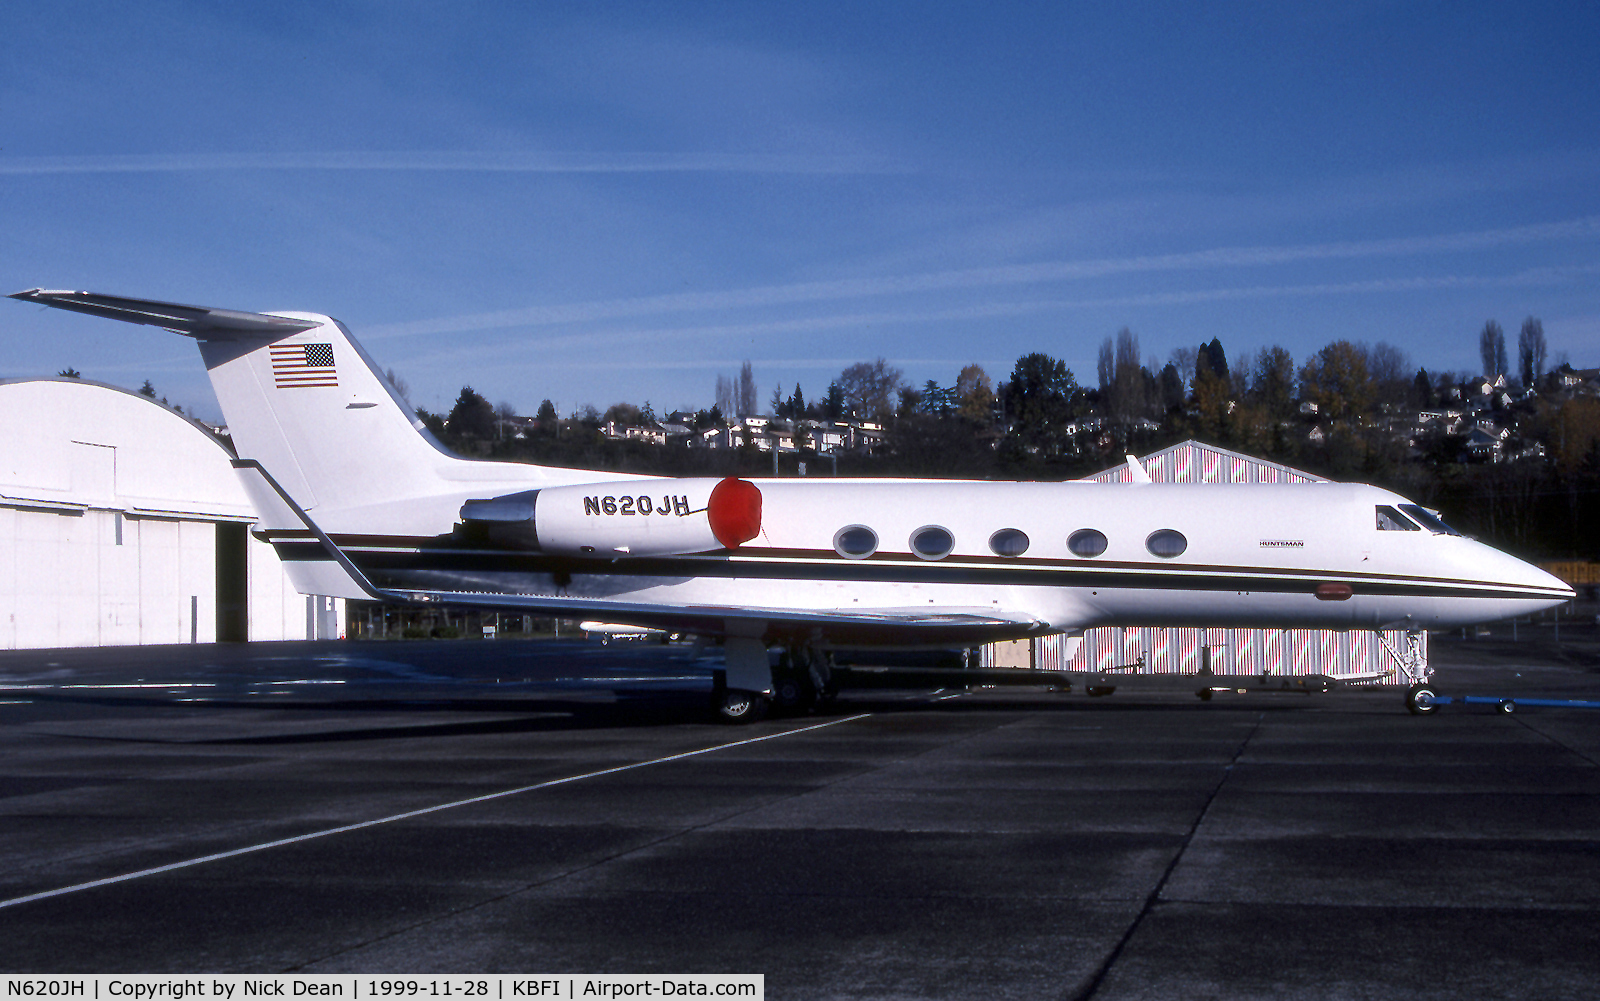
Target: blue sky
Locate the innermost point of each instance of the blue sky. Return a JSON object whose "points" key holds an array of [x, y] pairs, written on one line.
{"points": [[595, 202]]}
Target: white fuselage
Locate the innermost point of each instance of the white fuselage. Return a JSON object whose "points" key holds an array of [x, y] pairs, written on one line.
{"points": [[1264, 555]]}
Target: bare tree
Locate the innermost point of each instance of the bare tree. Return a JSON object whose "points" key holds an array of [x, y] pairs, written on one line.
{"points": [[725, 401], [1387, 363], [1105, 368], [870, 387], [400, 385], [1390, 369], [1492, 350], [1531, 350], [1272, 382], [503, 413], [1183, 360], [747, 390], [1128, 396]]}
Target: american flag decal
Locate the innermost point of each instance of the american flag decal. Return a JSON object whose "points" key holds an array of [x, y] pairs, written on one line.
{"points": [[299, 366]]}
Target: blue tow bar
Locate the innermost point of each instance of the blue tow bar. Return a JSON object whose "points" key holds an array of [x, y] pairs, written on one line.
{"points": [[1504, 705]]}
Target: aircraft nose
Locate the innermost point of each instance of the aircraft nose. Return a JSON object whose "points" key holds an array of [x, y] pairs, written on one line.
{"points": [[1544, 586]]}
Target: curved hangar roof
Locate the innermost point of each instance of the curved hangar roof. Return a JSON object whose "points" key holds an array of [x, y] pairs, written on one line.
{"points": [[78, 445]]}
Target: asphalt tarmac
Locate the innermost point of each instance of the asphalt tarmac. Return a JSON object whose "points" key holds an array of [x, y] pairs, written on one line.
{"points": [[563, 807]]}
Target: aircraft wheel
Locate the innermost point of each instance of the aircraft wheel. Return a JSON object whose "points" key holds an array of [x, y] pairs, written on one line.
{"points": [[735, 706], [1506, 707], [1420, 701], [792, 692]]}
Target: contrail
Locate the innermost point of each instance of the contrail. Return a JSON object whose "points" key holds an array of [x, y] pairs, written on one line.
{"points": [[556, 162], [1051, 271], [587, 341]]}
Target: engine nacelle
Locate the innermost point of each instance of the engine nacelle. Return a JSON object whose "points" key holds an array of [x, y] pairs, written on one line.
{"points": [[665, 517]]}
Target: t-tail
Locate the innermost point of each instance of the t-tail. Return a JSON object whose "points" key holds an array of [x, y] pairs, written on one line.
{"points": [[307, 404]]}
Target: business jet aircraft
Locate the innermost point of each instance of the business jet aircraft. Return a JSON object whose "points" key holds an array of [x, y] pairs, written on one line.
{"points": [[360, 501]]}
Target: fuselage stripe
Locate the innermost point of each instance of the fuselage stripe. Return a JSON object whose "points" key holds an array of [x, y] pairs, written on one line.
{"points": [[375, 560]]}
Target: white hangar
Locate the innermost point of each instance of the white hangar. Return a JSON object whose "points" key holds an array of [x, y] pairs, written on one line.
{"points": [[122, 522]]}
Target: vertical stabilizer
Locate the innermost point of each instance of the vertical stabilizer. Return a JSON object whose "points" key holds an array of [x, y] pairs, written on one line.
{"points": [[312, 408], [303, 400]]}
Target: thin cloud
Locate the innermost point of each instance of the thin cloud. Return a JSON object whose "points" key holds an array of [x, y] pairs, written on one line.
{"points": [[611, 339], [1022, 274], [505, 162]]}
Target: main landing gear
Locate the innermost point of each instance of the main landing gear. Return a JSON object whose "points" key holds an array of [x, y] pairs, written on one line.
{"points": [[799, 683], [802, 681], [735, 706]]}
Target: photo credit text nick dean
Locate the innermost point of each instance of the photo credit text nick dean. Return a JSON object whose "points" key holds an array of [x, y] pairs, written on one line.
{"points": [[381, 987]]}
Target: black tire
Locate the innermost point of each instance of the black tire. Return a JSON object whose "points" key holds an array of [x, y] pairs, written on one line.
{"points": [[793, 692], [1506, 707], [1204, 694], [1420, 700], [1099, 691], [735, 706]]}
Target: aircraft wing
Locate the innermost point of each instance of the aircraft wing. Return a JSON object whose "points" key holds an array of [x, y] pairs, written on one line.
{"points": [[923, 626]]}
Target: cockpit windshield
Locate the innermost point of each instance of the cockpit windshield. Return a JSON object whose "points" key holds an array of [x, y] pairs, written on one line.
{"points": [[1429, 520], [1390, 520]]}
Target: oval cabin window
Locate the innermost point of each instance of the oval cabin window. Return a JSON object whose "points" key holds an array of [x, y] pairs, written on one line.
{"points": [[1087, 543], [855, 542], [1166, 544], [1009, 542], [932, 542]]}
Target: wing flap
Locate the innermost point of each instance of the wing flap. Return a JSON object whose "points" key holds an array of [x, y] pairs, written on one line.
{"points": [[921, 626]]}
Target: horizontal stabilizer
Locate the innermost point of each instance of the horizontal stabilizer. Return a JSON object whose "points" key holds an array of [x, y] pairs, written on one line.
{"points": [[196, 321]]}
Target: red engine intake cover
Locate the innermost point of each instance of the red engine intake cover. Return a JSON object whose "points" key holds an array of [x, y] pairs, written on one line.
{"points": [[734, 512]]}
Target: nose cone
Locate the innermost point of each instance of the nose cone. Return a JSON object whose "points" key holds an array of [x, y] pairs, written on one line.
{"points": [[1559, 591], [1531, 588]]}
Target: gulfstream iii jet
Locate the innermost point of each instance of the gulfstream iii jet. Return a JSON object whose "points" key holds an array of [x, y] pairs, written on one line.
{"points": [[360, 501]]}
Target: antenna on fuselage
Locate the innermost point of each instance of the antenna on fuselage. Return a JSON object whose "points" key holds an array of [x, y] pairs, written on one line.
{"points": [[1136, 472]]}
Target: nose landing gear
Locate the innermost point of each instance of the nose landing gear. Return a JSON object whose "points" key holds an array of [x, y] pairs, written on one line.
{"points": [[1421, 700]]}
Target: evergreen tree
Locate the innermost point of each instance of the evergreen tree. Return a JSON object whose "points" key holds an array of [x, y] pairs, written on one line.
{"points": [[833, 406], [472, 416], [1039, 399], [1422, 394]]}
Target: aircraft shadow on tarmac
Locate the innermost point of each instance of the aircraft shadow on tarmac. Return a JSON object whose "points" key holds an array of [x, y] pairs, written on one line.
{"points": [[512, 715]]}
